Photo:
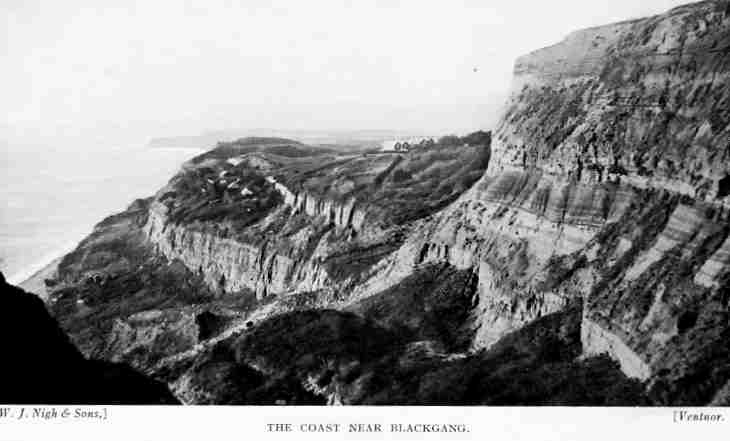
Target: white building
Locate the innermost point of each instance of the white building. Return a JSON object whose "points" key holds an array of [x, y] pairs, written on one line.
{"points": [[393, 145]]}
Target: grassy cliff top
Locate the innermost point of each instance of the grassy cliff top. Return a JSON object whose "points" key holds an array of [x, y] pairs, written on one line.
{"points": [[278, 146], [233, 183]]}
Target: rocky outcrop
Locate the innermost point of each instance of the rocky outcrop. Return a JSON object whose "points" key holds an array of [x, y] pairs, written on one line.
{"points": [[685, 230], [144, 338], [597, 341], [717, 265], [230, 265], [341, 214], [642, 102], [509, 229]]}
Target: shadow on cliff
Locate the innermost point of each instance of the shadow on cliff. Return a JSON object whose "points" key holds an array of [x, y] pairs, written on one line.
{"points": [[41, 366], [336, 357], [539, 364]]}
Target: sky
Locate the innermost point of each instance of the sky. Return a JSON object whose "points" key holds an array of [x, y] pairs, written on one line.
{"points": [[160, 68]]}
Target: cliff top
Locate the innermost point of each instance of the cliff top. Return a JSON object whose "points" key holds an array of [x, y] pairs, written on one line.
{"points": [[277, 146], [589, 43], [641, 102], [235, 184]]}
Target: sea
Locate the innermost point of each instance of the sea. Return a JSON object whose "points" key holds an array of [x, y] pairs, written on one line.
{"points": [[53, 196]]}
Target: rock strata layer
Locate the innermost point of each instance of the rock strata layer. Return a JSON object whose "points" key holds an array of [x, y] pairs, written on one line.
{"points": [[607, 185]]}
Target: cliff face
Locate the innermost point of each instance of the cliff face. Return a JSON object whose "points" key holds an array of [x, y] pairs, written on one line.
{"points": [[333, 217], [640, 106], [592, 236], [643, 102], [229, 265], [511, 229], [607, 185]]}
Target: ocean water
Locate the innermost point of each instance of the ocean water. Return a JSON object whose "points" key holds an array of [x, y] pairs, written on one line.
{"points": [[52, 197]]}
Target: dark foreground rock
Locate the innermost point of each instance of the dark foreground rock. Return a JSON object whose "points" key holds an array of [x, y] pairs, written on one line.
{"points": [[335, 357], [41, 366]]}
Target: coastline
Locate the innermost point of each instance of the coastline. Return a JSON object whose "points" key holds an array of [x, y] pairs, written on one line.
{"points": [[36, 283], [147, 169], [32, 278]]}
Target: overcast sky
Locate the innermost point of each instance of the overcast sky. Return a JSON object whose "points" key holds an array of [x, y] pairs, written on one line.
{"points": [[175, 67]]}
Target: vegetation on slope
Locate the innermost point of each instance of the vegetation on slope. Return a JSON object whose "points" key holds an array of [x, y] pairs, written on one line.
{"points": [[276, 146], [238, 195], [345, 358], [114, 274]]}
